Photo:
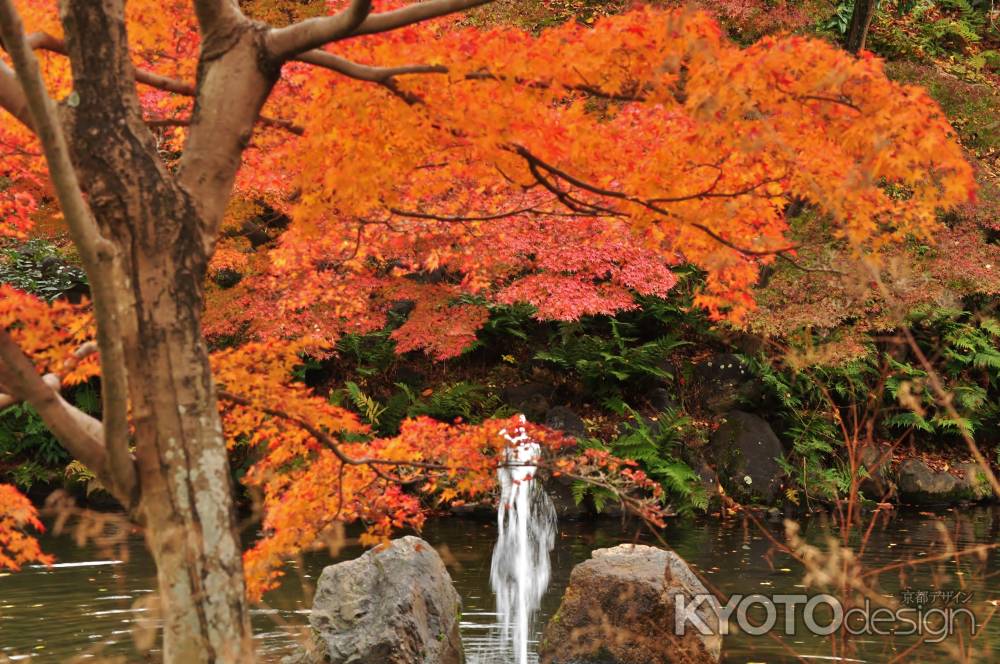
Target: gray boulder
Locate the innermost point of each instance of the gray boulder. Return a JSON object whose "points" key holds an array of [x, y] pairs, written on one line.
{"points": [[565, 419], [745, 451], [973, 483], [875, 460], [560, 490], [920, 484], [661, 399], [619, 608], [393, 605]]}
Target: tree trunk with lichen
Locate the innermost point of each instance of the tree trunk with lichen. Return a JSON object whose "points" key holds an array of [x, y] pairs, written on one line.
{"points": [[160, 225]]}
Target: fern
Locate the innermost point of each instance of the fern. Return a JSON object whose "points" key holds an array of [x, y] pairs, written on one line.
{"points": [[656, 450], [373, 354], [607, 362], [364, 405]]}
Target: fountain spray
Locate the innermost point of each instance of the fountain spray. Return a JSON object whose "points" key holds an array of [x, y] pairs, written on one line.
{"points": [[526, 523]]}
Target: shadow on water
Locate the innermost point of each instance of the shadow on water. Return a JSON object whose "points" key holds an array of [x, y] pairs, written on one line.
{"points": [[86, 605]]}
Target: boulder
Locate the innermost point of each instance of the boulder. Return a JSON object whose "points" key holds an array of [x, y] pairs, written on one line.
{"points": [[920, 484], [972, 482], [563, 418], [709, 480], [723, 381], [619, 608], [393, 605], [560, 490], [875, 459], [227, 277], [746, 452], [528, 398], [661, 399]]}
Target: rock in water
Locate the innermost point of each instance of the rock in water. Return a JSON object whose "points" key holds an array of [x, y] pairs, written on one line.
{"points": [[619, 608], [393, 605], [919, 484]]}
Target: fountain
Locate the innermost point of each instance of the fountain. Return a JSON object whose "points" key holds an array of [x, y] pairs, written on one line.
{"points": [[526, 522]]}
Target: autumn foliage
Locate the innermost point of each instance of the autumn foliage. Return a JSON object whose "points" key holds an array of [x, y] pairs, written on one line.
{"points": [[17, 547], [568, 170]]}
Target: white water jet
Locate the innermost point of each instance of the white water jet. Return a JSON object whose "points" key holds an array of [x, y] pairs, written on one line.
{"points": [[526, 523]]}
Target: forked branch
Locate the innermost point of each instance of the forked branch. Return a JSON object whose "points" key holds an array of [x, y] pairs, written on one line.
{"points": [[287, 43], [312, 33], [548, 176]]}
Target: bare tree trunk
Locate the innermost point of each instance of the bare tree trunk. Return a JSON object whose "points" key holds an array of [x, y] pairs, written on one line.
{"points": [[161, 233], [861, 20], [186, 502]]}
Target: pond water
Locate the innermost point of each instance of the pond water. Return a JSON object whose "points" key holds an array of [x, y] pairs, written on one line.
{"points": [[85, 607]]}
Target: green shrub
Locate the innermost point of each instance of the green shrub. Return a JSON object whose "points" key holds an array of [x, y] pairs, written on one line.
{"points": [[37, 266]]}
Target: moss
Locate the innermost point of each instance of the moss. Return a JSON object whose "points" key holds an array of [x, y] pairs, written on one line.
{"points": [[972, 108]]}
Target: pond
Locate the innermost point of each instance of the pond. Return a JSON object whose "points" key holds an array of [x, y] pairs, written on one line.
{"points": [[86, 605]]}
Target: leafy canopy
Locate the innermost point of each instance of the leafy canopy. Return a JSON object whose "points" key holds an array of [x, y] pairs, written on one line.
{"points": [[567, 170]]}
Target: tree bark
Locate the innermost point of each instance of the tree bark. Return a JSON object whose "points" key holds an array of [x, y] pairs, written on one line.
{"points": [[186, 500], [861, 20], [162, 234]]}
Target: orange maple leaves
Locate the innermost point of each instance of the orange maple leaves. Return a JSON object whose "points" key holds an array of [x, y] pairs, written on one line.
{"points": [[50, 333], [16, 547], [649, 126]]}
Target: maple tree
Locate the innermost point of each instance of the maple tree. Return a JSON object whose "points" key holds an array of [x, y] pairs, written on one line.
{"points": [[568, 170]]}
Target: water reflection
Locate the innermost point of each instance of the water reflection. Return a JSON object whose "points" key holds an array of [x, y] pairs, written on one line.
{"points": [[87, 606]]}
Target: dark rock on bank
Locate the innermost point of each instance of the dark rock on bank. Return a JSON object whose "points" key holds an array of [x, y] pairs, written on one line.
{"points": [[563, 418], [723, 382], [745, 451], [531, 399], [919, 484]]}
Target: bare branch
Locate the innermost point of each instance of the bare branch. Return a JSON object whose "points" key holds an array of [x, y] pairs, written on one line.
{"points": [[12, 97], [415, 13], [286, 43], [414, 214], [384, 76], [540, 168], [79, 433], [214, 14], [98, 254], [277, 123], [47, 42], [365, 72]]}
